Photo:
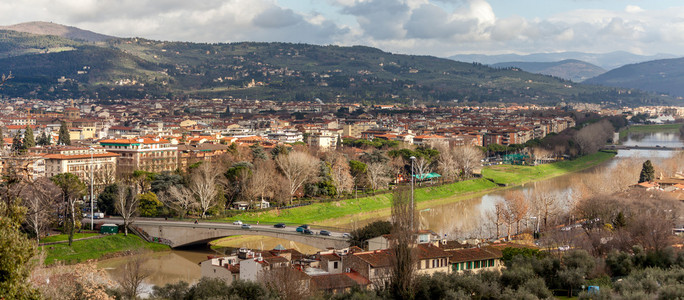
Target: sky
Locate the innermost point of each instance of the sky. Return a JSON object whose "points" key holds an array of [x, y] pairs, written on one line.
{"points": [[425, 27]]}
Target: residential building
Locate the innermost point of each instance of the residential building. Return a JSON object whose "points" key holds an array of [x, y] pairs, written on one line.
{"points": [[152, 154], [79, 161]]}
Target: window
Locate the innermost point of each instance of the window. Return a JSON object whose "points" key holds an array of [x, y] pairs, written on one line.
{"points": [[335, 265], [469, 265], [491, 262]]}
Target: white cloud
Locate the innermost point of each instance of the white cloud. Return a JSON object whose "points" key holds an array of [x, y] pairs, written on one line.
{"points": [[437, 27]]}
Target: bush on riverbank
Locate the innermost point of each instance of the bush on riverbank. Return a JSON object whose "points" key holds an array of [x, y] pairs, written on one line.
{"points": [[84, 250]]}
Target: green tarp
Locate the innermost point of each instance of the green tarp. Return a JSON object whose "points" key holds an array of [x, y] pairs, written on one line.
{"points": [[426, 176]]}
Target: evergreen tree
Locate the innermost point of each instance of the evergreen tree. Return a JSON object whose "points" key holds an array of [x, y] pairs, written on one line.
{"points": [[64, 137], [29, 140], [43, 139], [2, 142], [647, 172], [17, 143]]}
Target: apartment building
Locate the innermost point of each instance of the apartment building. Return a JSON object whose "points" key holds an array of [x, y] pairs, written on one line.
{"points": [[152, 154]]}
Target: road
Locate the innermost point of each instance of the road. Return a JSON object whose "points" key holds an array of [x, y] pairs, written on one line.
{"points": [[219, 225]]}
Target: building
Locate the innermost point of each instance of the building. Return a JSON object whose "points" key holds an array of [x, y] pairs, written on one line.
{"points": [[323, 142], [475, 259], [79, 161], [146, 154]]}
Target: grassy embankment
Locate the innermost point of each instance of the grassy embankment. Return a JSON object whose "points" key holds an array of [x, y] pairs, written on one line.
{"points": [[649, 128], [344, 212], [81, 251]]}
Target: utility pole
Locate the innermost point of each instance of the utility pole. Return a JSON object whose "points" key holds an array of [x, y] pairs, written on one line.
{"points": [[92, 179], [413, 215]]}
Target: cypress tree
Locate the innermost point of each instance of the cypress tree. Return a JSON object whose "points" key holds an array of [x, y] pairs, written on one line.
{"points": [[29, 140], [64, 137], [43, 139], [647, 172], [2, 141], [16, 142]]}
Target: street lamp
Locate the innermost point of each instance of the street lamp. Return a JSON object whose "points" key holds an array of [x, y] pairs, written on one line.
{"points": [[413, 158], [92, 211]]}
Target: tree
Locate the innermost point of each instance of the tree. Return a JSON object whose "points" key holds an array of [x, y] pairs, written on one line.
{"points": [[298, 167], [179, 198], [106, 199], [359, 236], [516, 208], [647, 172], [132, 276], [447, 165], [467, 158], [376, 173], [164, 180], [204, 187], [17, 143], [16, 252], [40, 197], [2, 139], [43, 139], [126, 204], [29, 141], [149, 204], [497, 217], [340, 172], [402, 245], [71, 189], [64, 136], [262, 180]]}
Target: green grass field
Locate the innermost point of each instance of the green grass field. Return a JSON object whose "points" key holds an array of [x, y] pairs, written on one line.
{"points": [[81, 251], [650, 128], [64, 237], [514, 175], [337, 213]]}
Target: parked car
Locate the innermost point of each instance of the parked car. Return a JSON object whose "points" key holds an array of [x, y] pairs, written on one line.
{"points": [[301, 229], [324, 232], [238, 222], [246, 226], [307, 231], [279, 225]]}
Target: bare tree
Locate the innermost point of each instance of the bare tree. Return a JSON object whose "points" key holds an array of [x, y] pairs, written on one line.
{"points": [[402, 245], [71, 189], [126, 204], [421, 167], [540, 155], [290, 283], [41, 196], [377, 175], [203, 184], [340, 171], [594, 136], [132, 276], [516, 207], [447, 164], [497, 216], [545, 205], [298, 167], [261, 183], [467, 158], [178, 198]]}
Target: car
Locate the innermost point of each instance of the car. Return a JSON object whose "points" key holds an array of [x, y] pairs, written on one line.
{"points": [[305, 226], [301, 229], [279, 225], [324, 232], [246, 226], [306, 231], [346, 235], [238, 222]]}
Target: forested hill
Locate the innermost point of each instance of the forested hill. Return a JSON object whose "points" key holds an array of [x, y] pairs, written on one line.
{"points": [[51, 67], [661, 76]]}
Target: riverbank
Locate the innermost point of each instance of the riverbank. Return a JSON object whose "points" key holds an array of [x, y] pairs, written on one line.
{"points": [[341, 213], [87, 249], [649, 128]]}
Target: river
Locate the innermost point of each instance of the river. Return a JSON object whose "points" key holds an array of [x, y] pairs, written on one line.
{"points": [[457, 220]]}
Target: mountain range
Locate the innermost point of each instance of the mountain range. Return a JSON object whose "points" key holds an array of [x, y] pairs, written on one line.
{"points": [[606, 61], [659, 76], [570, 69], [53, 61]]}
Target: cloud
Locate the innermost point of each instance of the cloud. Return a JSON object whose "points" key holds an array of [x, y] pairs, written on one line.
{"points": [[435, 27]]}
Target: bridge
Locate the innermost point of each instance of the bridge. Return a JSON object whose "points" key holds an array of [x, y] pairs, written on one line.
{"points": [[637, 147], [179, 233]]}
